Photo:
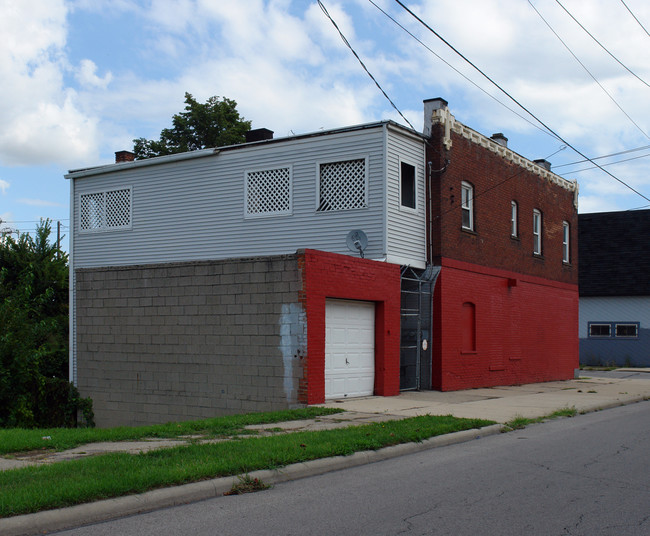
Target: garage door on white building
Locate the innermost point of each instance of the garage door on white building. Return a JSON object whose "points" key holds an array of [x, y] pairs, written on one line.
{"points": [[349, 348]]}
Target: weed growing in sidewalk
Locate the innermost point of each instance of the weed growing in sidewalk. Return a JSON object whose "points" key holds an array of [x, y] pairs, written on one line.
{"points": [[247, 484], [520, 422]]}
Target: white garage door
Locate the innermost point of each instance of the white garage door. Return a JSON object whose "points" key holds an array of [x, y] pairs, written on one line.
{"points": [[349, 348]]}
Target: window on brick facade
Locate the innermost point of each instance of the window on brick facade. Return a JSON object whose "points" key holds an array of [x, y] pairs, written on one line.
{"points": [[407, 185], [565, 242], [537, 232], [467, 205], [107, 210], [342, 185], [630, 331], [268, 192], [600, 330], [513, 218]]}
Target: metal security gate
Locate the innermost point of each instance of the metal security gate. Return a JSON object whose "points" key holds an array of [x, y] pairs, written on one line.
{"points": [[416, 322]]}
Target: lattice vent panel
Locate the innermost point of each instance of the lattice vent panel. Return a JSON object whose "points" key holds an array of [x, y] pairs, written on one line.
{"points": [[118, 208], [342, 185], [92, 211], [268, 191]]}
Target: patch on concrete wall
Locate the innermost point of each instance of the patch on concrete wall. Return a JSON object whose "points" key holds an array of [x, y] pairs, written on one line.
{"points": [[293, 344]]}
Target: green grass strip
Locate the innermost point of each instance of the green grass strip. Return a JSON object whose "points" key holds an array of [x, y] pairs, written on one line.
{"points": [[44, 487], [521, 422], [14, 440]]}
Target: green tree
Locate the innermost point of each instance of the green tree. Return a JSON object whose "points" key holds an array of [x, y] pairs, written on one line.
{"points": [[34, 387], [214, 124]]}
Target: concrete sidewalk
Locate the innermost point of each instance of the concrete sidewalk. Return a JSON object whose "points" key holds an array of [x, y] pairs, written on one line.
{"points": [[501, 404]]}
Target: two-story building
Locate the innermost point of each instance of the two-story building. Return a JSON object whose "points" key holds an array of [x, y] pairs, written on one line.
{"points": [[348, 262]]}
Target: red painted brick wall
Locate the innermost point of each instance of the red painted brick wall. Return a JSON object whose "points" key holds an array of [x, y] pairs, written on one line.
{"points": [[329, 275], [526, 328], [497, 182]]}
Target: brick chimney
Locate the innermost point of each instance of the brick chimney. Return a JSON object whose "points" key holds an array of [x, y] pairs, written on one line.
{"points": [[258, 134], [543, 163], [124, 156]]}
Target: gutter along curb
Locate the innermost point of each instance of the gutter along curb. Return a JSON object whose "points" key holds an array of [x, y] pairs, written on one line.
{"points": [[84, 514]]}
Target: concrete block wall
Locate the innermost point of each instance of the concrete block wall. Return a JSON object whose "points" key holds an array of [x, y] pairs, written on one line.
{"points": [[167, 342]]}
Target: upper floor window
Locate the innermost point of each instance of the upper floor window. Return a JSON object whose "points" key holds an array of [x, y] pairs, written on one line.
{"points": [[467, 205], [600, 330], [268, 192], [565, 242], [105, 210], [630, 330], [342, 185], [407, 185], [513, 218], [537, 232]]}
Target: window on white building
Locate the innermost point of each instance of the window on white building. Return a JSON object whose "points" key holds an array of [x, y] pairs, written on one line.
{"points": [[407, 185]]}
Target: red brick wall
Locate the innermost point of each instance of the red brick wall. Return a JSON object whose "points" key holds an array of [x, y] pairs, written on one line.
{"points": [[497, 182], [526, 328], [329, 275]]}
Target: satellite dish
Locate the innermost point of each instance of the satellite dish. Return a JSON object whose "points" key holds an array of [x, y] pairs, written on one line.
{"points": [[357, 241]]}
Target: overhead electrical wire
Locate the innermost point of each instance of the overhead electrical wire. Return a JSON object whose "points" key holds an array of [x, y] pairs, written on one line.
{"points": [[606, 156], [588, 71], [635, 18], [556, 135], [347, 43], [608, 164], [601, 45], [457, 71]]}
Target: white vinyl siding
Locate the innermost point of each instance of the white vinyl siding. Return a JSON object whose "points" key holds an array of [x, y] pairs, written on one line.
{"points": [[195, 209], [405, 227]]}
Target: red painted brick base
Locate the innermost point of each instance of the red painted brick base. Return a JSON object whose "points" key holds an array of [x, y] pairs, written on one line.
{"points": [[329, 275], [526, 328]]}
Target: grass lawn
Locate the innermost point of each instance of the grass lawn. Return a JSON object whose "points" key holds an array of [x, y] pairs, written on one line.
{"points": [[44, 487], [13, 440]]}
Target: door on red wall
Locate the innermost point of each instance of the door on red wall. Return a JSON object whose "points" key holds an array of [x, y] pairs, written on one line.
{"points": [[349, 348]]}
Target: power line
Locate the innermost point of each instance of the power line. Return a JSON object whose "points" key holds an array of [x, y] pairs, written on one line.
{"points": [[560, 138], [362, 64], [457, 71], [609, 163], [635, 18], [606, 156], [601, 45], [587, 70]]}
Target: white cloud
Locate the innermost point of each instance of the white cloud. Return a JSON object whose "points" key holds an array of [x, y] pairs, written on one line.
{"points": [[3, 186], [40, 118], [38, 203], [87, 75]]}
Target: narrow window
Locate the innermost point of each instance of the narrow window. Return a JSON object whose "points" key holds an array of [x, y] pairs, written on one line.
{"points": [[630, 331], [600, 330], [469, 327], [467, 205], [565, 242], [537, 232], [513, 218], [407, 185]]}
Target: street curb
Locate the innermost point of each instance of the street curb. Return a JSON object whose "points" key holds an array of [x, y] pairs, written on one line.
{"points": [[85, 514]]}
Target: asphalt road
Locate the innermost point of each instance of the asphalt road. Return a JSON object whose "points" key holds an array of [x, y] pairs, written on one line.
{"points": [[587, 475]]}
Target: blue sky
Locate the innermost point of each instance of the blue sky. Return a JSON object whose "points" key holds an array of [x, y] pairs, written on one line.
{"points": [[82, 78]]}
